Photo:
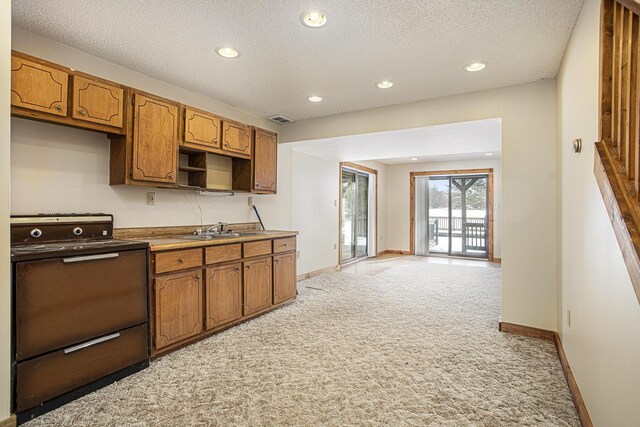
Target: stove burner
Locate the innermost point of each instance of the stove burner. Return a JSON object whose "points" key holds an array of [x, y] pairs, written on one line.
{"points": [[59, 236], [39, 248]]}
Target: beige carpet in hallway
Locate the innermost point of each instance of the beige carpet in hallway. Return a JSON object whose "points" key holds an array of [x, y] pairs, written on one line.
{"points": [[416, 345]]}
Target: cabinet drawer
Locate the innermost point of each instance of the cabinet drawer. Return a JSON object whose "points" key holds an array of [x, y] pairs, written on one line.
{"points": [[49, 376], [223, 253], [178, 260], [252, 249], [284, 245]]}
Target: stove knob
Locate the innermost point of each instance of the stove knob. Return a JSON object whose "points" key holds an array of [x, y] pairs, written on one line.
{"points": [[36, 232], [77, 231]]}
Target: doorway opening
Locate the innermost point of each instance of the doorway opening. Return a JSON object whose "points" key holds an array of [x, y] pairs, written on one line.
{"points": [[358, 211], [452, 213]]}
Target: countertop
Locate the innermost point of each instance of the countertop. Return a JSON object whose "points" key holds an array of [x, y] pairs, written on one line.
{"points": [[173, 242]]}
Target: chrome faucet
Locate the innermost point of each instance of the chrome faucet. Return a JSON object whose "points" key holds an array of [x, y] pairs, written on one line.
{"points": [[217, 228]]}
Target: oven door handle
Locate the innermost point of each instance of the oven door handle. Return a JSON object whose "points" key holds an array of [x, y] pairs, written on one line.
{"points": [[91, 343], [90, 257]]}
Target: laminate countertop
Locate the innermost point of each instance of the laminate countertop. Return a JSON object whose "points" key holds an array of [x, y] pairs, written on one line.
{"points": [[166, 243]]}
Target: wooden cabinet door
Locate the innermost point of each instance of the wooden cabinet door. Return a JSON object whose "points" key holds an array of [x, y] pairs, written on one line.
{"points": [[223, 294], [284, 277], [155, 143], [265, 161], [38, 87], [202, 129], [257, 285], [97, 102], [178, 307], [236, 138]]}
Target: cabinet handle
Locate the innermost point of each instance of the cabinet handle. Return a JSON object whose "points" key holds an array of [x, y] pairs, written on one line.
{"points": [[180, 260], [248, 267], [258, 184], [59, 107], [197, 277], [81, 112], [226, 145], [276, 261], [91, 343], [90, 258], [237, 269]]}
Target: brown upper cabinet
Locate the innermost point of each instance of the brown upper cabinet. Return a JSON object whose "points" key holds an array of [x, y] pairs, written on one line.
{"points": [[202, 129], [97, 102], [38, 87], [155, 143], [148, 133], [265, 158], [236, 138]]}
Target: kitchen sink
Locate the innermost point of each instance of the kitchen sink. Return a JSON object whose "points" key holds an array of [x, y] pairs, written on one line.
{"points": [[250, 233], [209, 236]]}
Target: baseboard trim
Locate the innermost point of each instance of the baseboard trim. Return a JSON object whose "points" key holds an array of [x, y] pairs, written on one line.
{"points": [[497, 260], [9, 422], [316, 273], [583, 414], [576, 396], [527, 331], [396, 252]]}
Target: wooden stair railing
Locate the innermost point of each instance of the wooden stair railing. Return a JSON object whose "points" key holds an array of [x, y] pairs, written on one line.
{"points": [[617, 154]]}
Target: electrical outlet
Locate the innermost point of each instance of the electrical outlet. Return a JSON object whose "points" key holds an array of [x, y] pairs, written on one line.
{"points": [[569, 318], [335, 203], [335, 246], [151, 198], [250, 201], [297, 254]]}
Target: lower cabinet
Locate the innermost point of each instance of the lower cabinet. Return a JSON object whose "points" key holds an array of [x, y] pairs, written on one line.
{"points": [[284, 277], [199, 291], [257, 285], [223, 294], [178, 307]]}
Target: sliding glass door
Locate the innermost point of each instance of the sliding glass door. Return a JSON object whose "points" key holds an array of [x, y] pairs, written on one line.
{"points": [[458, 215], [355, 214]]}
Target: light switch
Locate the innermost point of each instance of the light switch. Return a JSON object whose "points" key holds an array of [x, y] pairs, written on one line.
{"points": [[151, 198]]}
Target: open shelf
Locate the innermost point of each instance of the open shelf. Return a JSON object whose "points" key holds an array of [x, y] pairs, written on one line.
{"points": [[191, 169]]}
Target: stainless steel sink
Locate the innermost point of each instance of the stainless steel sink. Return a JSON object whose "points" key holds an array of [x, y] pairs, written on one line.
{"points": [[251, 233], [209, 236]]}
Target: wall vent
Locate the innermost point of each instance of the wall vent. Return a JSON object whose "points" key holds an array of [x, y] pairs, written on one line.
{"points": [[280, 119]]}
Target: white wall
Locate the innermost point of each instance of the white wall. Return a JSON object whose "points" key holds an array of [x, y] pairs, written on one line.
{"points": [[603, 341], [315, 211], [398, 178], [529, 234], [59, 169], [5, 277]]}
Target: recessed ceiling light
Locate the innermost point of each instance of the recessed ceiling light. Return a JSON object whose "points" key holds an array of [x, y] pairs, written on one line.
{"points": [[228, 52], [314, 18], [476, 66], [315, 98], [414, 158], [488, 154], [385, 84]]}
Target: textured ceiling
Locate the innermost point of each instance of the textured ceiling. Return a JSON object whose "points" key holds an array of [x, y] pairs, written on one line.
{"points": [[420, 45], [455, 141]]}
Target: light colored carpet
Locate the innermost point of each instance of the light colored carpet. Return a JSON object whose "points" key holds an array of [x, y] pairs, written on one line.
{"points": [[415, 345]]}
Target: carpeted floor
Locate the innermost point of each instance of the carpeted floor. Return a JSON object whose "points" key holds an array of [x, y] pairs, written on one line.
{"points": [[415, 345]]}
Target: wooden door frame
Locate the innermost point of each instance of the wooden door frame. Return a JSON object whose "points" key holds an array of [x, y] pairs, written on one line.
{"points": [[360, 168], [412, 202]]}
